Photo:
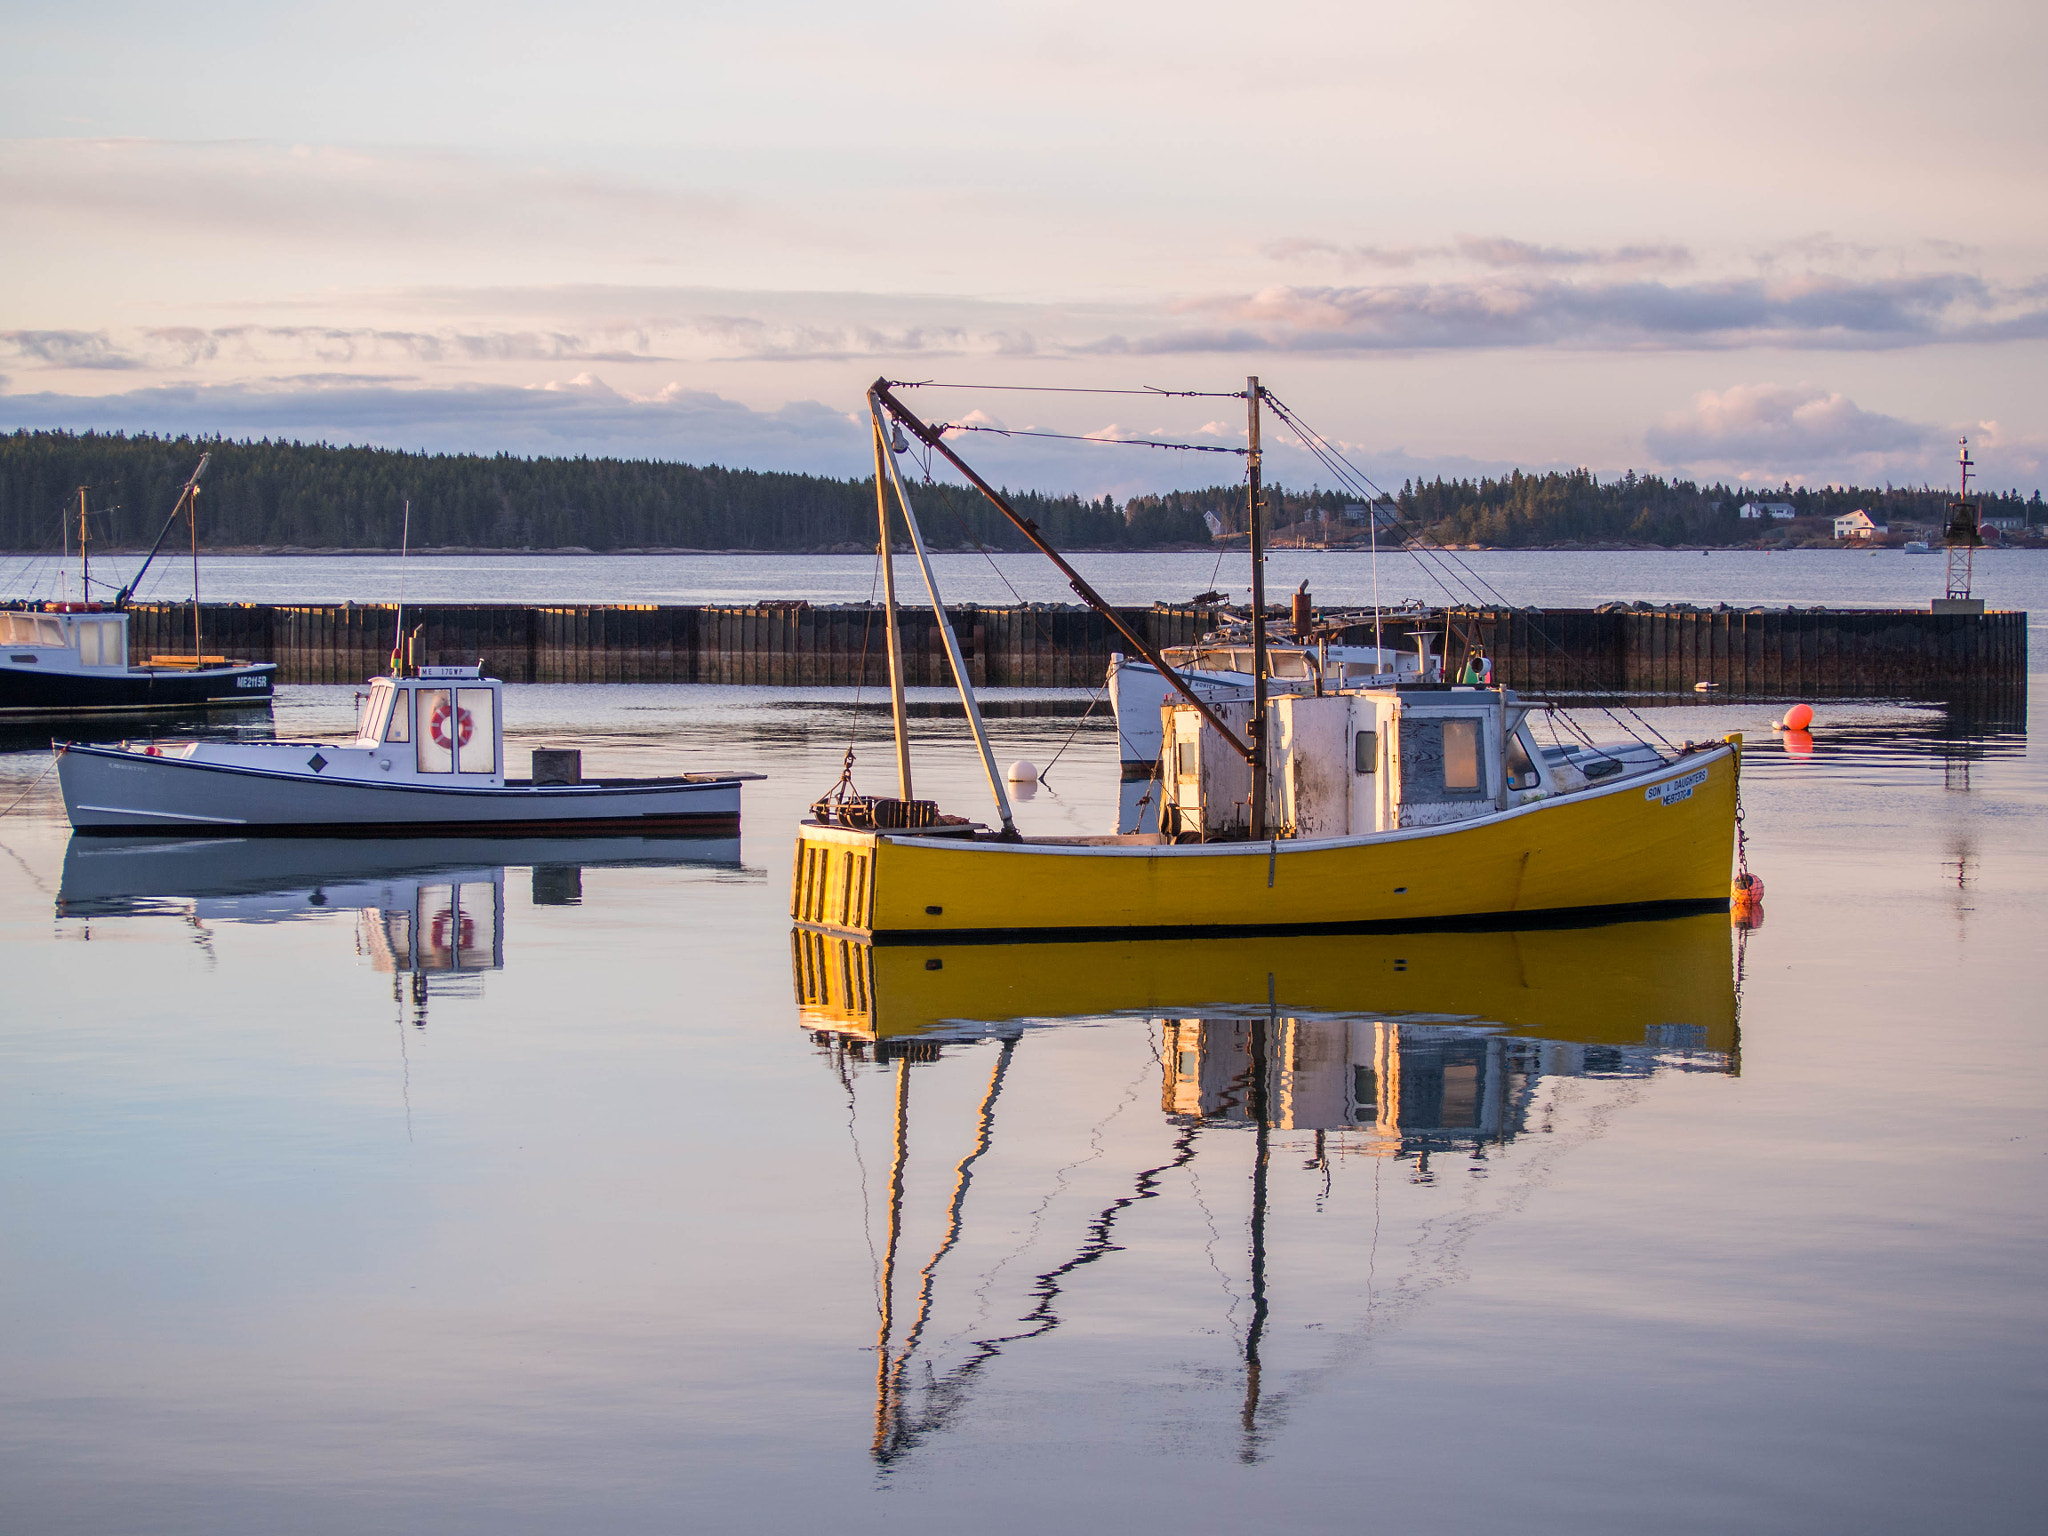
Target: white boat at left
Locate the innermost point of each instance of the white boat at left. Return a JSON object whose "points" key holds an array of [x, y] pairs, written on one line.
{"points": [[428, 756]]}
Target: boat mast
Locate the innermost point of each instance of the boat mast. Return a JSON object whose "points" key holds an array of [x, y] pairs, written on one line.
{"points": [[192, 511], [952, 641], [190, 488], [1258, 725], [84, 551], [398, 627], [896, 710], [935, 437]]}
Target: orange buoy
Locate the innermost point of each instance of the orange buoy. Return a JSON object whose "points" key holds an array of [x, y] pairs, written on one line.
{"points": [[1798, 717], [1746, 901]]}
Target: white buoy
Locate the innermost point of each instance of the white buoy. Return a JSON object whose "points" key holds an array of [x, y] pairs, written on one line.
{"points": [[1023, 771]]}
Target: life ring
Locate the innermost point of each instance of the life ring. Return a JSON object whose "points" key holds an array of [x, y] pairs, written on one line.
{"points": [[443, 927], [437, 726]]}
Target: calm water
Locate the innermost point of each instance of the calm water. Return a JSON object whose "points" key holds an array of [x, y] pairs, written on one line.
{"points": [[1841, 578], [488, 1187]]}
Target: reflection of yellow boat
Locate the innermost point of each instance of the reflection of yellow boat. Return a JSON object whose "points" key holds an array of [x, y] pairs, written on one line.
{"points": [[1604, 984]]}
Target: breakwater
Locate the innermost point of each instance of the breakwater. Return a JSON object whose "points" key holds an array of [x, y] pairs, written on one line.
{"points": [[1638, 650]]}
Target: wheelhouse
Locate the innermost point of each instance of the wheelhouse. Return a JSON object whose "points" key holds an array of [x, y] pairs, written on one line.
{"points": [[445, 724]]}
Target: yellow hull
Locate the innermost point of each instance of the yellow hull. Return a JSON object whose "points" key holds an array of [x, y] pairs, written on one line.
{"points": [[1603, 984], [1663, 839]]}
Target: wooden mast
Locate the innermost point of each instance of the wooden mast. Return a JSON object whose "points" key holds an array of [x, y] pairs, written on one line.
{"points": [[84, 550], [935, 437], [952, 641], [1258, 541], [896, 711], [192, 511]]}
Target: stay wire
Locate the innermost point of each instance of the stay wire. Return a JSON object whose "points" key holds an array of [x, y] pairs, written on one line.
{"points": [[1477, 586], [1148, 392], [1081, 437]]}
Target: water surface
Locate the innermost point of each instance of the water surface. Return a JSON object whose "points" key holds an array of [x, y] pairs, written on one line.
{"points": [[502, 1188]]}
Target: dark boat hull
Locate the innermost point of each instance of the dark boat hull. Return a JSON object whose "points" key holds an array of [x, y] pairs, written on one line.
{"points": [[28, 693]]}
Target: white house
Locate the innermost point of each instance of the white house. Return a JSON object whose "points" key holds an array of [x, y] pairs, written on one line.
{"points": [[1764, 509], [1859, 525]]}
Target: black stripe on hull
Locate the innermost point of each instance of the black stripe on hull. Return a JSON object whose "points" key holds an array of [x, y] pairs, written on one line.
{"points": [[35, 694], [1482, 922]]}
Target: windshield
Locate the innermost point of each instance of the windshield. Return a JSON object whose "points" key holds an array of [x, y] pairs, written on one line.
{"points": [[370, 725]]}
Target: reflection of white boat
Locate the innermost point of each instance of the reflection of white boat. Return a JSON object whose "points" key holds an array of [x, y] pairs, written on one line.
{"points": [[1221, 671], [428, 756], [297, 876], [430, 908]]}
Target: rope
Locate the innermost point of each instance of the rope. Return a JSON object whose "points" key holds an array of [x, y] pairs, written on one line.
{"points": [[32, 783], [1094, 699]]}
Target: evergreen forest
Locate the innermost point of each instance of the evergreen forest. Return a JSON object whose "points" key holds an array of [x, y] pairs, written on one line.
{"points": [[275, 495]]}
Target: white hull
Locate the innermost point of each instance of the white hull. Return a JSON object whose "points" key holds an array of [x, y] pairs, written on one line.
{"points": [[108, 789]]}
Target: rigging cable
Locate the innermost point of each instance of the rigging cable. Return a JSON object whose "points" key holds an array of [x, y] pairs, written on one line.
{"points": [[1149, 391], [1081, 437], [1477, 585]]}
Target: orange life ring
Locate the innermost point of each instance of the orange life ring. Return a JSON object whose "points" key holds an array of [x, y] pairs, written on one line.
{"points": [[437, 726]]}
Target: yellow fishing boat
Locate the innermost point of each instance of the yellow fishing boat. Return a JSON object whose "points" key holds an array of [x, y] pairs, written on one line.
{"points": [[1419, 805]]}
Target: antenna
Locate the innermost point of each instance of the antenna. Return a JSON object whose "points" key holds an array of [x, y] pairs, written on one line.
{"points": [[398, 627]]}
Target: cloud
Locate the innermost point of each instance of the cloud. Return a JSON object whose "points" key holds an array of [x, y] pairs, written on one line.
{"points": [[1492, 251], [578, 415], [276, 194], [583, 414], [1498, 251], [68, 349], [1813, 311], [1770, 433]]}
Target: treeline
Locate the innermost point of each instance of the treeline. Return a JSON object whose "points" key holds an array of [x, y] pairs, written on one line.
{"points": [[1521, 510], [272, 494], [279, 494]]}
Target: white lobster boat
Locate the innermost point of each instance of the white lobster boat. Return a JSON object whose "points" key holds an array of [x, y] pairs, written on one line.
{"points": [[428, 757]]}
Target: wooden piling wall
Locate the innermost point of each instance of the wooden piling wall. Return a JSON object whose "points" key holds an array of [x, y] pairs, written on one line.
{"points": [[1761, 652], [1773, 653]]}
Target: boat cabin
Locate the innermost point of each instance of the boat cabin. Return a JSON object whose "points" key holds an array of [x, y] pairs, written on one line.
{"points": [[73, 638], [441, 725], [1352, 763]]}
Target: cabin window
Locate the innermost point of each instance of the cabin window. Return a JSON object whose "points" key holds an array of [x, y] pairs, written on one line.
{"points": [[370, 726], [401, 718], [1521, 768], [1440, 759], [1186, 764], [476, 737], [1365, 752], [26, 629], [1461, 755], [99, 644], [437, 729]]}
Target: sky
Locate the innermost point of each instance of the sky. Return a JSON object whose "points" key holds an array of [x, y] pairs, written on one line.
{"points": [[1756, 242]]}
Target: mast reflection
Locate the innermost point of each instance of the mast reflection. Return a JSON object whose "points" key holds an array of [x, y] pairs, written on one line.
{"points": [[1390, 1049]]}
